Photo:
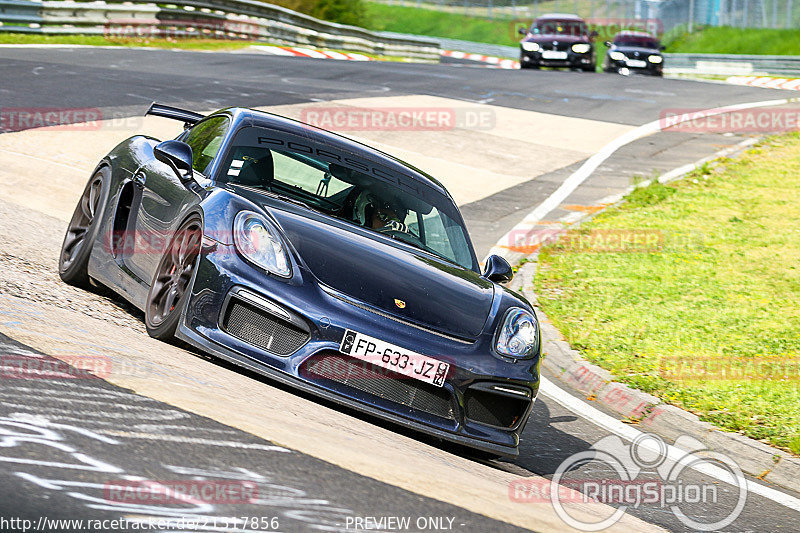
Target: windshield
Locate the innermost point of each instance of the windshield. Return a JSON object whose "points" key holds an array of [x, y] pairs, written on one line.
{"points": [[636, 40], [348, 188], [559, 27]]}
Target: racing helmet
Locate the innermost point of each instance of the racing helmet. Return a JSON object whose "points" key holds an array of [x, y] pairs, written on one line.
{"points": [[368, 202]]}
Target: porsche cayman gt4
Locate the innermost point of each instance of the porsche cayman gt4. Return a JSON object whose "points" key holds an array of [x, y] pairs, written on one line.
{"points": [[316, 261]]}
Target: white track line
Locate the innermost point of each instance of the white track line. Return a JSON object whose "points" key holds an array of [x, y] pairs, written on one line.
{"points": [[628, 432], [590, 165]]}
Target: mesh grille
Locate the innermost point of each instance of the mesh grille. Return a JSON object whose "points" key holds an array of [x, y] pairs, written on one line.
{"points": [[561, 46], [494, 409], [380, 382], [263, 330]]}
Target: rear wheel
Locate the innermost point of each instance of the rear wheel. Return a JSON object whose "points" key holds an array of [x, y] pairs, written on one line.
{"points": [[82, 230], [170, 286]]}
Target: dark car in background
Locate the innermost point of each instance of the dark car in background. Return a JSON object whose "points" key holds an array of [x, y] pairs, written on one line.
{"points": [[315, 260], [634, 52], [559, 41]]}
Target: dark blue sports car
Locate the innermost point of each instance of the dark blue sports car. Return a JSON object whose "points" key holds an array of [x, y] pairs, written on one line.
{"points": [[314, 260]]}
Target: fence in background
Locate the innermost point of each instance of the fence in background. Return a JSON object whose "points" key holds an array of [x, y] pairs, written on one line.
{"points": [[670, 13], [222, 19]]}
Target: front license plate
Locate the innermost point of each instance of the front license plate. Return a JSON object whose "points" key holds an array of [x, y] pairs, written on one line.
{"points": [[394, 358], [635, 63], [553, 54]]}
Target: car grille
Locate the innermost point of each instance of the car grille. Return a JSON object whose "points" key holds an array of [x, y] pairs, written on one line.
{"points": [[380, 383], [494, 409], [561, 46], [261, 329]]}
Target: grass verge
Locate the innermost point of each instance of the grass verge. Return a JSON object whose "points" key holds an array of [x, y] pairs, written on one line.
{"points": [[726, 40], [100, 40], [710, 319], [433, 23]]}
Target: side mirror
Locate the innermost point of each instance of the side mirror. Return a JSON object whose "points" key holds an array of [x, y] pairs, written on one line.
{"points": [[523, 31], [608, 44], [593, 34], [662, 47], [176, 154], [498, 270]]}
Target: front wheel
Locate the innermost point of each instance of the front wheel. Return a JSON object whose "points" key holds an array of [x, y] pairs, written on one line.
{"points": [[170, 286], [73, 261]]}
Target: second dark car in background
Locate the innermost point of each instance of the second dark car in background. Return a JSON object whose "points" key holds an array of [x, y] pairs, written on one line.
{"points": [[634, 52]]}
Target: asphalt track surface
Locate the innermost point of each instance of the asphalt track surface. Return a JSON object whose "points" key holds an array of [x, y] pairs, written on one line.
{"points": [[303, 492]]}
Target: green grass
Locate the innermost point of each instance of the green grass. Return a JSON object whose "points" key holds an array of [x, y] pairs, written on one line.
{"points": [[432, 23], [725, 40], [723, 290], [99, 40]]}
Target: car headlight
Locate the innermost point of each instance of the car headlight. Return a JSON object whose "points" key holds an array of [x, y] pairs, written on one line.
{"points": [[655, 59], [617, 56], [519, 335], [258, 241], [530, 47], [581, 48]]}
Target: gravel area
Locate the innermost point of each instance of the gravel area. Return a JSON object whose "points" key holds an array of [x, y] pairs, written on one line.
{"points": [[29, 245]]}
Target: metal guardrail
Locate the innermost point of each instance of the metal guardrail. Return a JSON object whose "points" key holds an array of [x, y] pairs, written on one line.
{"points": [[471, 47], [232, 19], [723, 64]]}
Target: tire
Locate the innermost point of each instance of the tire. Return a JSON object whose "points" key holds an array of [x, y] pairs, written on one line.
{"points": [[73, 260], [170, 287], [590, 68]]}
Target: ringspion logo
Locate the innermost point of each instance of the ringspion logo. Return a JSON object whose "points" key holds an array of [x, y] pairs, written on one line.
{"points": [[646, 473]]}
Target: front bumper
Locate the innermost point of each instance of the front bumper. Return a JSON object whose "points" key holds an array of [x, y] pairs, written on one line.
{"points": [[650, 69], [573, 60], [223, 276]]}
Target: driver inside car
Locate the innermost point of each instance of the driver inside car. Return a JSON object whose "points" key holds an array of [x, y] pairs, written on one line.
{"points": [[379, 214]]}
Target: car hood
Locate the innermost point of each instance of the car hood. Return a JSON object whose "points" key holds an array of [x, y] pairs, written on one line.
{"points": [[630, 50], [386, 276], [543, 38]]}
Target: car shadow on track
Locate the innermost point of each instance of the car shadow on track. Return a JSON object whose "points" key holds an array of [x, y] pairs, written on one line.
{"points": [[543, 447]]}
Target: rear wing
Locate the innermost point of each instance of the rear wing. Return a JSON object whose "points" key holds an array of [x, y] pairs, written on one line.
{"points": [[189, 118]]}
